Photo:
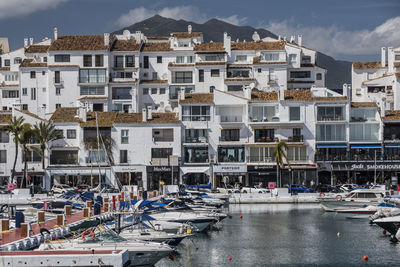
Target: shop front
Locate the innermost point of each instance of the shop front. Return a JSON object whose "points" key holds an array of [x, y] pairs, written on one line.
{"points": [[195, 175], [262, 174], [156, 174], [299, 174], [131, 175], [225, 175]]}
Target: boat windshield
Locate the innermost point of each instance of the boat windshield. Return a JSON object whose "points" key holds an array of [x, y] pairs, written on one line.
{"points": [[106, 236]]}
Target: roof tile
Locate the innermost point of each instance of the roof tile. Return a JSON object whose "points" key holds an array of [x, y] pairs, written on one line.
{"points": [[28, 62], [33, 49], [197, 98], [125, 45], [80, 43], [156, 47], [133, 118]]}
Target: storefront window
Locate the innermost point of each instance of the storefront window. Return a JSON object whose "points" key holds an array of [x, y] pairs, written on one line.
{"points": [[231, 154], [196, 154]]}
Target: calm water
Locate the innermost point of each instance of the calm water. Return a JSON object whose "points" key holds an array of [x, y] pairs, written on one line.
{"points": [[287, 235]]}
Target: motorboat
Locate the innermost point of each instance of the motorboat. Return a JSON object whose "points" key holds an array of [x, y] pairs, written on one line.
{"points": [[170, 227], [355, 199], [148, 234], [390, 224], [201, 222], [370, 209], [141, 253]]}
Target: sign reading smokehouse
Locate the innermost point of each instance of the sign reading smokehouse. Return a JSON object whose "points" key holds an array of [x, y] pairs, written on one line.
{"points": [[367, 167]]}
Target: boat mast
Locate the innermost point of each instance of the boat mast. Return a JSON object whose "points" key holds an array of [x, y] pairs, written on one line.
{"points": [[98, 150]]}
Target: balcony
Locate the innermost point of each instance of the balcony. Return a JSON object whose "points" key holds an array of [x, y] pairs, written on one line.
{"points": [[231, 118], [295, 139], [64, 157], [266, 139], [200, 139], [260, 159], [170, 161], [59, 82]]}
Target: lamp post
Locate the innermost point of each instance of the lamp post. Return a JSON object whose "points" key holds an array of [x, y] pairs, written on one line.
{"points": [[375, 169]]}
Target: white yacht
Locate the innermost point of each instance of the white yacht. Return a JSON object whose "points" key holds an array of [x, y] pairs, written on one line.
{"points": [[153, 235]]}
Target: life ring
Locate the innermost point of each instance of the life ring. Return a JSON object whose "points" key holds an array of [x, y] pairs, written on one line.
{"points": [[321, 194], [87, 232], [339, 198]]}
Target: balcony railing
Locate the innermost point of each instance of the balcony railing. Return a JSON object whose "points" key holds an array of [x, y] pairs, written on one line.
{"points": [[171, 161], [260, 159], [201, 139], [332, 117], [266, 139], [295, 138], [163, 138], [229, 138], [231, 118]]}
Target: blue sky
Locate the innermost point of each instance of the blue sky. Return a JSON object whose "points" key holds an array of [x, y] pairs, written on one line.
{"points": [[350, 30]]}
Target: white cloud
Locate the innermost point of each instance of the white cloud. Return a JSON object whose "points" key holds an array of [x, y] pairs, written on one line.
{"points": [[336, 41], [190, 13], [17, 8]]}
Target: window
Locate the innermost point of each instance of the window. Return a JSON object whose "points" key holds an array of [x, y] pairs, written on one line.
{"points": [[154, 76], [58, 106], [17, 60], [4, 136], [121, 93], [319, 76], [240, 58], [331, 132], [64, 157], [145, 91], [196, 135], [57, 77], [163, 135], [31, 156], [119, 62], [235, 88], [330, 113], [99, 107], [300, 74], [24, 106], [62, 58], [180, 59], [364, 132], [33, 74], [231, 154], [363, 114], [292, 58], [196, 154], [376, 89], [190, 59], [196, 113], [214, 73], [201, 76], [182, 77], [259, 70], [44, 59], [33, 93], [212, 89], [71, 134], [87, 60], [58, 91], [130, 61], [92, 76], [92, 90], [146, 62], [294, 113], [174, 89], [271, 57], [6, 62], [123, 156], [297, 153], [162, 91], [264, 135], [397, 57], [43, 73], [230, 134], [161, 152], [159, 59], [214, 57], [261, 154], [124, 136], [99, 61]]}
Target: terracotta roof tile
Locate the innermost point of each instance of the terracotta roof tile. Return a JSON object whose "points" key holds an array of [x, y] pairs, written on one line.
{"points": [[31, 114], [186, 34], [66, 114], [392, 115], [264, 96], [5, 69], [209, 47], [157, 37], [156, 47], [28, 62], [257, 60], [125, 45], [239, 79], [363, 104], [175, 65], [41, 49], [280, 45], [367, 65], [306, 95], [63, 66], [134, 118], [152, 81], [80, 43], [104, 119], [93, 98], [5, 117], [205, 63], [398, 75], [197, 98]]}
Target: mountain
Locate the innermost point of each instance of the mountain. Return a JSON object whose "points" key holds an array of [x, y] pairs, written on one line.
{"points": [[339, 72]]}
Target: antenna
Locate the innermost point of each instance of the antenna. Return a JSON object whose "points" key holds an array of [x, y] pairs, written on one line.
{"points": [[256, 37]]}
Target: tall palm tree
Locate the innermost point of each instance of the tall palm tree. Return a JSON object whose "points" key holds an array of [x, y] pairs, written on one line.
{"points": [[14, 127], [25, 137], [44, 133], [280, 158]]}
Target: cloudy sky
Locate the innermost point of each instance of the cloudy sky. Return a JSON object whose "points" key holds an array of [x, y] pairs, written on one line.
{"points": [[350, 30]]}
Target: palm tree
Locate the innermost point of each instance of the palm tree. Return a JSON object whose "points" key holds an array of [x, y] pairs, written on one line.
{"points": [[14, 127], [44, 133], [280, 157], [25, 137]]}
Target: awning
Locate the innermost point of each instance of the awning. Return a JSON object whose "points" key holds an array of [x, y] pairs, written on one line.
{"points": [[366, 146], [195, 169], [392, 145], [331, 145]]}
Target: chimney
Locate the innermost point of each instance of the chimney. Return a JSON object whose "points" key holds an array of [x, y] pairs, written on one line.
{"points": [[383, 57], [281, 93], [189, 28], [382, 106], [284, 38], [345, 93], [390, 60], [106, 39], [31, 41], [292, 38], [149, 113], [182, 95], [55, 34], [144, 119], [300, 40], [227, 43], [134, 105], [279, 37], [26, 42], [138, 37], [82, 114], [247, 90]]}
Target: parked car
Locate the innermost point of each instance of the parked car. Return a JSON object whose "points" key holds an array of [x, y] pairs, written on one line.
{"points": [[296, 188], [83, 187], [255, 189], [104, 188], [61, 188], [228, 189], [349, 187]]}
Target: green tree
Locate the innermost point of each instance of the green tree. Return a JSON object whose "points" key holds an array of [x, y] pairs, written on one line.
{"points": [[280, 158], [43, 134], [25, 138], [14, 127]]}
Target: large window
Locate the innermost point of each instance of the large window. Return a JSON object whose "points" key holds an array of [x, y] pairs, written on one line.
{"points": [[119, 62], [271, 57], [196, 113], [262, 113], [230, 114], [261, 154], [163, 135], [123, 156], [31, 156], [363, 114], [241, 58], [182, 77], [294, 113], [62, 58], [300, 74], [331, 154], [297, 153], [230, 134], [331, 132], [215, 73], [330, 114], [92, 90], [364, 132], [161, 152], [124, 136], [130, 61], [231, 154], [71, 134], [87, 60], [99, 60], [264, 135], [238, 73], [196, 135], [64, 157], [146, 62], [196, 154], [376, 89], [121, 93], [92, 76], [175, 89]]}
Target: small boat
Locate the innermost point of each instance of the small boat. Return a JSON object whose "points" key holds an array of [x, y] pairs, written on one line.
{"points": [[370, 209], [153, 236]]}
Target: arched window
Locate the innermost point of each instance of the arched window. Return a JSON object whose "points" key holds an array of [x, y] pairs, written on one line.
{"points": [[319, 76]]}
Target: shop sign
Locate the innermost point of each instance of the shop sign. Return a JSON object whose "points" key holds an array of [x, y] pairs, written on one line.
{"points": [[370, 167], [261, 168], [230, 168], [160, 169]]}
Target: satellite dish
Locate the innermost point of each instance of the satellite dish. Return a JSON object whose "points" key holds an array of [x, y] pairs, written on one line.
{"points": [[252, 85], [256, 37], [126, 33]]}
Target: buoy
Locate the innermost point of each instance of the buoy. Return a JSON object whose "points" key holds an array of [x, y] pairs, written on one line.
{"points": [[365, 258], [384, 232], [229, 258], [241, 217], [338, 234]]}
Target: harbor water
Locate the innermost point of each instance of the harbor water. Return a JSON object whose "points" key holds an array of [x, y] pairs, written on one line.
{"points": [[287, 234]]}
